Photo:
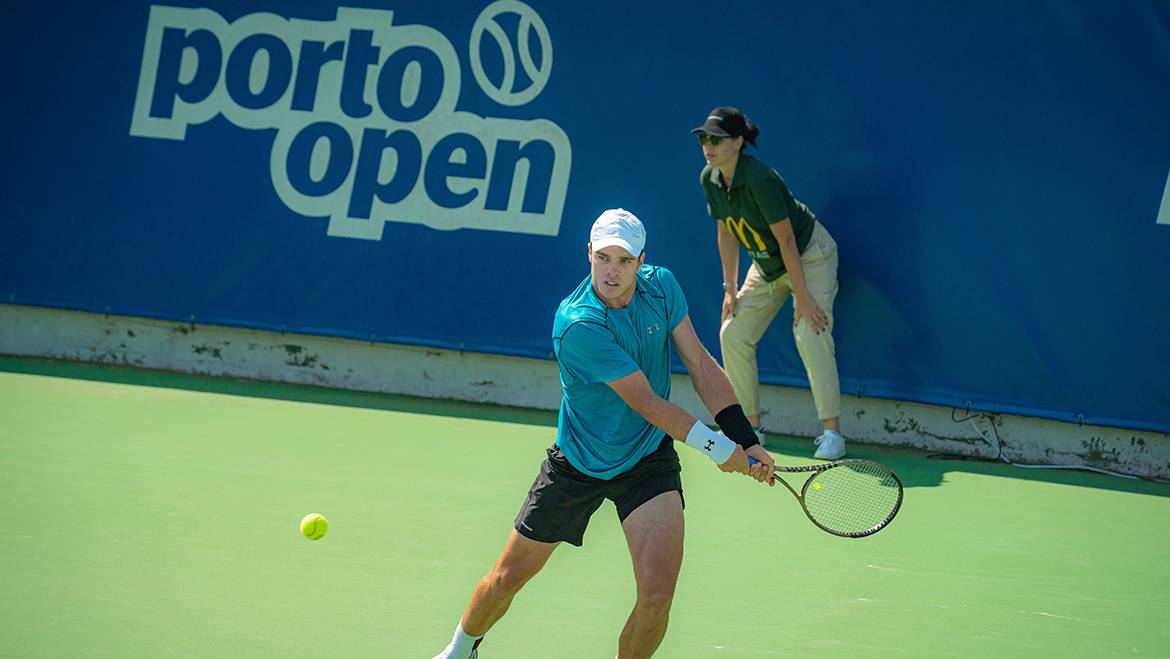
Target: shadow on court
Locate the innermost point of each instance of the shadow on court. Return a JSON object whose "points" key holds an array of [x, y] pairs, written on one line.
{"points": [[914, 467], [918, 468], [301, 393]]}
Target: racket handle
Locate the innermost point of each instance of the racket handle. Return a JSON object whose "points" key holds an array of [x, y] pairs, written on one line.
{"points": [[751, 460]]}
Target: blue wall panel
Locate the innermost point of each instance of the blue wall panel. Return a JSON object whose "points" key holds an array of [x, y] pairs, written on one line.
{"points": [[992, 172]]}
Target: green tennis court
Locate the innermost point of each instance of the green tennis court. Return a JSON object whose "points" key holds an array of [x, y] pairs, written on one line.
{"points": [[155, 515]]}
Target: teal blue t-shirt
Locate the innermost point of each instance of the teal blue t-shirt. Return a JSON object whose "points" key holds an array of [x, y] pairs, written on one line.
{"points": [[594, 344]]}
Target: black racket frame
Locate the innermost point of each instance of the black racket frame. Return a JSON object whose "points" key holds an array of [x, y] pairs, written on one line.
{"points": [[820, 468]]}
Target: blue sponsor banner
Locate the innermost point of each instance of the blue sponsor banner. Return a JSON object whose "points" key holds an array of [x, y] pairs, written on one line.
{"points": [[426, 173]]}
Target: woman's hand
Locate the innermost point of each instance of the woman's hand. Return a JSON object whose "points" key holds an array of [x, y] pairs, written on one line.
{"points": [[806, 307], [729, 300]]}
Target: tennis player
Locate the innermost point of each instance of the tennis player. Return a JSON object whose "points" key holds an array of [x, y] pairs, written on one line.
{"points": [[792, 254], [612, 338]]}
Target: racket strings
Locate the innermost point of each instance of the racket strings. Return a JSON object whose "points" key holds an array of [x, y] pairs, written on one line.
{"points": [[853, 499]]}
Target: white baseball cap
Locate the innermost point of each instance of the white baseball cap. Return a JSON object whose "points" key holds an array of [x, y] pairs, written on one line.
{"points": [[618, 226]]}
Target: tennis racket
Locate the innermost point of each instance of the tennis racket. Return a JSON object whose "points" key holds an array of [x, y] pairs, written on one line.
{"points": [[848, 498]]}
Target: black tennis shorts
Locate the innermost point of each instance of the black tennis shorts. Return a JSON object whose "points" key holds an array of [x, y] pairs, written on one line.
{"points": [[563, 498]]}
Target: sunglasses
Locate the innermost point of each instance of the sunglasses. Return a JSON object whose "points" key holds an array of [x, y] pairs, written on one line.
{"points": [[713, 140]]}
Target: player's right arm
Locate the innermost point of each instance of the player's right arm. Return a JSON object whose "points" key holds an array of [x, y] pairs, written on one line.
{"points": [[636, 391], [588, 353]]}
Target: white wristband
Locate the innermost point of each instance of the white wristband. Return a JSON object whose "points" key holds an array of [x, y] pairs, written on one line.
{"points": [[710, 443]]}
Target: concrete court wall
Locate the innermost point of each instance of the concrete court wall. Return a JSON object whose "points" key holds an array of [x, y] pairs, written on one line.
{"points": [[533, 383]]}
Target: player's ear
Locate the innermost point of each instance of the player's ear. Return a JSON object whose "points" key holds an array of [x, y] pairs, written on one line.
{"points": [[589, 252], [642, 258]]}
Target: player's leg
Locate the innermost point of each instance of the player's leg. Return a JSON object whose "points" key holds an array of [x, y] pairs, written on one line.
{"points": [[756, 307], [650, 505], [654, 533], [557, 508], [521, 559], [818, 351]]}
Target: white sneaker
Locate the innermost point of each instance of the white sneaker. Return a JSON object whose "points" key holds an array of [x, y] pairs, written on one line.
{"points": [[830, 446], [444, 654]]}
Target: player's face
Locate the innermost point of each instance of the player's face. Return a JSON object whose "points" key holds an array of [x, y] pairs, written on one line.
{"points": [[724, 153], [614, 273]]}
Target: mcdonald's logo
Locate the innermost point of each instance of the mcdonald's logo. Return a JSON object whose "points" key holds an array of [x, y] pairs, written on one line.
{"points": [[741, 229]]}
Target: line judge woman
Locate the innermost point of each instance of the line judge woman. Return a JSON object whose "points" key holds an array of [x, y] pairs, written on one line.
{"points": [[792, 254]]}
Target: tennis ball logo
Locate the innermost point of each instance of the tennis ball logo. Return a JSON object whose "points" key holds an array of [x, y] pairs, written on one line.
{"points": [[314, 526], [508, 91]]}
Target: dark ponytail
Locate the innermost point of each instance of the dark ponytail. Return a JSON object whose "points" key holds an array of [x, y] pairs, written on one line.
{"points": [[750, 134]]}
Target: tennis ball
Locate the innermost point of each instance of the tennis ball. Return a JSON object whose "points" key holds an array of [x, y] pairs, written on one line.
{"points": [[314, 526], [816, 486]]}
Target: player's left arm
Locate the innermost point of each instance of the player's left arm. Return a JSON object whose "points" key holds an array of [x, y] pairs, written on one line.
{"points": [[714, 389]]}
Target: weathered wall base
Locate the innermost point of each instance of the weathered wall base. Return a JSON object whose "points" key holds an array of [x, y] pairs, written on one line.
{"points": [[533, 383]]}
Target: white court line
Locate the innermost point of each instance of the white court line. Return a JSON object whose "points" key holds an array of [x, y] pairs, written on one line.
{"points": [[1053, 615]]}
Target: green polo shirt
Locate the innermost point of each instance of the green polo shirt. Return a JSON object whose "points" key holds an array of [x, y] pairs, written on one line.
{"points": [[757, 198]]}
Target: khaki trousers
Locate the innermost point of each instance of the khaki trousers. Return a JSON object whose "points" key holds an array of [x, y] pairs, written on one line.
{"points": [[757, 305]]}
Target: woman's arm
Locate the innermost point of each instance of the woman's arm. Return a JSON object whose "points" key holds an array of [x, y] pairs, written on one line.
{"points": [[806, 306], [729, 259]]}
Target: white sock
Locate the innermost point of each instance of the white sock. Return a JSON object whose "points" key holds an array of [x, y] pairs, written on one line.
{"points": [[460, 646]]}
